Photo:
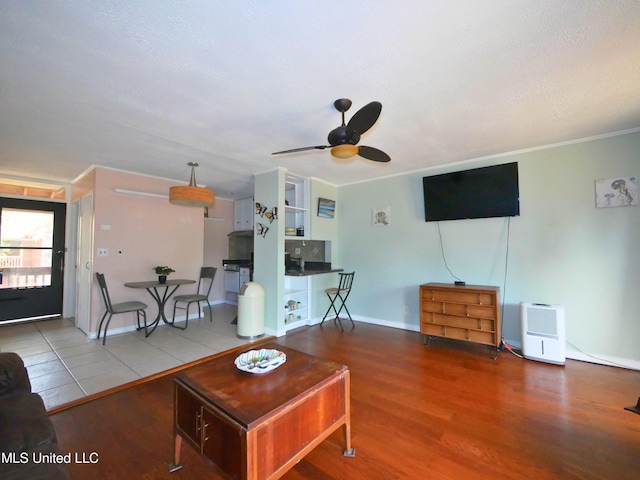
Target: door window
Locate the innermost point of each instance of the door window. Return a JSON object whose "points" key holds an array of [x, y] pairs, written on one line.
{"points": [[26, 248]]}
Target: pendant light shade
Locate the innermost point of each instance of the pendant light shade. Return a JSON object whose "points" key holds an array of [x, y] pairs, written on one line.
{"points": [[192, 195]]}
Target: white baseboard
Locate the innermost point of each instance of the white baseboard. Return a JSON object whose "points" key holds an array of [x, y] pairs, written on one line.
{"points": [[132, 328], [604, 360], [591, 358], [386, 323], [570, 354]]}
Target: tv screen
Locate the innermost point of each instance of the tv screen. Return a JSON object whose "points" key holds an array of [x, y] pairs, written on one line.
{"points": [[478, 193]]}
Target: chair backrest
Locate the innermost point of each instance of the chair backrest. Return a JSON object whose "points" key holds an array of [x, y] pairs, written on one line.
{"points": [[346, 279], [206, 272], [104, 291]]}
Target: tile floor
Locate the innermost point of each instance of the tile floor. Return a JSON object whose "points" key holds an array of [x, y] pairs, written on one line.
{"points": [[65, 365]]}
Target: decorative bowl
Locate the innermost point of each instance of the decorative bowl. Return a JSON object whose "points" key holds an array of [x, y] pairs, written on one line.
{"points": [[260, 361]]}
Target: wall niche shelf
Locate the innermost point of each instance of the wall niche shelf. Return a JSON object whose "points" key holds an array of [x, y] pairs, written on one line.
{"points": [[296, 194]]}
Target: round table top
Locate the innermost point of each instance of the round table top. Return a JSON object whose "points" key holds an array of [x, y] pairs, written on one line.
{"points": [[156, 283]]}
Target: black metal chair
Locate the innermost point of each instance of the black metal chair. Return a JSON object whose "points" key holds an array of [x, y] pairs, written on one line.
{"points": [[207, 274], [341, 293], [116, 308]]}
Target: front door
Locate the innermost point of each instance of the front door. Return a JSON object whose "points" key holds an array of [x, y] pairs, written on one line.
{"points": [[31, 258]]}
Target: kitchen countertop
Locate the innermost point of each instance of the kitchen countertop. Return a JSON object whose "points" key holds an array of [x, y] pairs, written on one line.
{"points": [[306, 273]]}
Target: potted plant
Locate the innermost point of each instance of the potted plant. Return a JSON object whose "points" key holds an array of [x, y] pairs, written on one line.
{"points": [[162, 272]]}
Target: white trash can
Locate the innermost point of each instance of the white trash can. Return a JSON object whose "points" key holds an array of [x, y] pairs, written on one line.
{"points": [[251, 311]]}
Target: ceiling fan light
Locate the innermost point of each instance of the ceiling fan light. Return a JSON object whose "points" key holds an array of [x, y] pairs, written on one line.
{"points": [[191, 195], [344, 151]]}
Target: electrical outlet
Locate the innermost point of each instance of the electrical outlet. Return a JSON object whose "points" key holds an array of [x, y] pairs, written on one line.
{"points": [[103, 252], [406, 309], [298, 251]]}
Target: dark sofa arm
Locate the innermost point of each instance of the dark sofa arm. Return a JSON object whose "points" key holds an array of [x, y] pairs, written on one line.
{"points": [[14, 378]]}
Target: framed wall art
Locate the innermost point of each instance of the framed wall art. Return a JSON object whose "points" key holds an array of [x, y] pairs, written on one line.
{"points": [[616, 192], [326, 207], [380, 217]]}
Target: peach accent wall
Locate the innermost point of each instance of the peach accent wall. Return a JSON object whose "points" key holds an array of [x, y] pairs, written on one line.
{"points": [[149, 231], [216, 243], [83, 185]]}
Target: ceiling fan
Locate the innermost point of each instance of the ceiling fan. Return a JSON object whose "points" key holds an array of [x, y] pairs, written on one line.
{"points": [[343, 140]]}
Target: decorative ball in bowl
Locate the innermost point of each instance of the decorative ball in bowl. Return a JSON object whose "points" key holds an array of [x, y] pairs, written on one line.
{"points": [[260, 361]]}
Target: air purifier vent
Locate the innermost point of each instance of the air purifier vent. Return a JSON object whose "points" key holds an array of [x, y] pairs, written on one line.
{"points": [[542, 321]]}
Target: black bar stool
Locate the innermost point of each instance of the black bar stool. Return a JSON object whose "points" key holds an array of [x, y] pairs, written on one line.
{"points": [[341, 293]]}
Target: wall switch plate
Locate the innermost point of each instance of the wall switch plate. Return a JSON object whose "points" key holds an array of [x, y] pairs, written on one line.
{"points": [[297, 250], [103, 252]]}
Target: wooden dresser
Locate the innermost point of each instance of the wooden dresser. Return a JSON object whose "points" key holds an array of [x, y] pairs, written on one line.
{"points": [[461, 312]]}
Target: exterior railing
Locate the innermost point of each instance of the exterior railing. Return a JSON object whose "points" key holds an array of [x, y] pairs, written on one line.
{"points": [[25, 277], [10, 261]]}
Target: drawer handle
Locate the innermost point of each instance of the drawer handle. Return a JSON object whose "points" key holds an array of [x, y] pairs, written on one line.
{"points": [[205, 431]]}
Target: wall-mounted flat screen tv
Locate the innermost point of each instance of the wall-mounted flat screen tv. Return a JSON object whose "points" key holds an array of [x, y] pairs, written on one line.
{"points": [[477, 193]]}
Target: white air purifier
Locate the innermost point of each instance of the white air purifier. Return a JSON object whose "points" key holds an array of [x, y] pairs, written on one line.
{"points": [[543, 332]]}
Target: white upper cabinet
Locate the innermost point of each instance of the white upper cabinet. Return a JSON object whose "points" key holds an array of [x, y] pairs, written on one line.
{"points": [[243, 214]]}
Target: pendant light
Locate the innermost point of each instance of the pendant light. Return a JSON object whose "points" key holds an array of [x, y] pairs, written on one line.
{"points": [[192, 195]]}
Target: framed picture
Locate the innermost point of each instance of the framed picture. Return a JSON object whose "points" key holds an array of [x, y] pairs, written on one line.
{"points": [[616, 192], [380, 217], [326, 207]]}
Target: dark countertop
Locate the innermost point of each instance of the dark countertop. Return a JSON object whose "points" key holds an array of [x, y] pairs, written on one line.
{"points": [[306, 273]]}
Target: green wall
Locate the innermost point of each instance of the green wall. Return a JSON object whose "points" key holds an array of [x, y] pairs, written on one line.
{"points": [[269, 250], [561, 249]]}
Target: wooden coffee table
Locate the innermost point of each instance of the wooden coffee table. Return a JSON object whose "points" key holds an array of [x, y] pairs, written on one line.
{"points": [[258, 426]]}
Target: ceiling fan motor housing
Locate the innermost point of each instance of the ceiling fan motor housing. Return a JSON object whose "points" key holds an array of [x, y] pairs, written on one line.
{"points": [[342, 136]]}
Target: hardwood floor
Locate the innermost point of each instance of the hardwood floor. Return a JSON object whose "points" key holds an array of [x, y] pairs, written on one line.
{"points": [[445, 411]]}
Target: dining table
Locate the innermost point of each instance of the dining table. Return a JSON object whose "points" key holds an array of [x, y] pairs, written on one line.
{"points": [[161, 292]]}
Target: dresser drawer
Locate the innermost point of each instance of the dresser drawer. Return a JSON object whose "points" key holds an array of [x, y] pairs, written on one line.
{"points": [[462, 322], [456, 333], [464, 310], [467, 297]]}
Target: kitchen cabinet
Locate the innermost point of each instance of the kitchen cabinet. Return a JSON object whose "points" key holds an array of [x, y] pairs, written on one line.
{"points": [[244, 277], [232, 281], [234, 278], [243, 213], [231, 286]]}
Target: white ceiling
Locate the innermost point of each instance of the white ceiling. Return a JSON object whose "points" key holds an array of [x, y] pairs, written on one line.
{"points": [[150, 85]]}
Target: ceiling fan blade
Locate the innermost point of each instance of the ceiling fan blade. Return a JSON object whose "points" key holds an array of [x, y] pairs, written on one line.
{"points": [[364, 118], [303, 149], [374, 154]]}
